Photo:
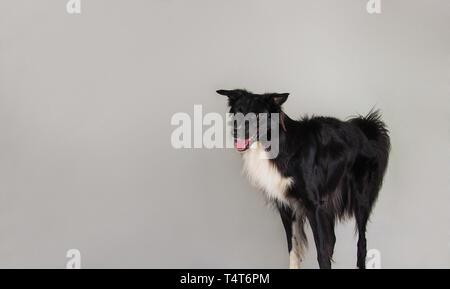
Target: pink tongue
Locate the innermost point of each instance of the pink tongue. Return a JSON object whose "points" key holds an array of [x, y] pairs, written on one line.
{"points": [[241, 144]]}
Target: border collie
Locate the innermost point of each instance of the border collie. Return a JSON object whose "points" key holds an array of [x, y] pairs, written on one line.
{"points": [[325, 170]]}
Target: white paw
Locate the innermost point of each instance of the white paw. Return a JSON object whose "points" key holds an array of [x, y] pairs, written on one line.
{"points": [[294, 260]]}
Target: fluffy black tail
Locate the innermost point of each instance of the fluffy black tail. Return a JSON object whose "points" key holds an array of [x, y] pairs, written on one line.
{"points": [[378, 135]]}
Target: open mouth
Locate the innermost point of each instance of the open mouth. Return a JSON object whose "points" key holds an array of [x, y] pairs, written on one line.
{"points": [[242, 144]]}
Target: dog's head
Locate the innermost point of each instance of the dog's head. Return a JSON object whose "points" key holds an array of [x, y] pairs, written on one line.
{"points": [[252, 115]]}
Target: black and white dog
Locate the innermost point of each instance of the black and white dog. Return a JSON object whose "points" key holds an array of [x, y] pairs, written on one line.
{"points": [[325, 170]]}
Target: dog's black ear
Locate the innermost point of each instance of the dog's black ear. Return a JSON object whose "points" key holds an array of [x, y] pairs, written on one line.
{"points": [[279, 98], [225, 92], [232, 94]]}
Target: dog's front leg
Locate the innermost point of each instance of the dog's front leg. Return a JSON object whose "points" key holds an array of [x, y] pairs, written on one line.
{"points": [[295, 255], [293, 236], [298, 242]]}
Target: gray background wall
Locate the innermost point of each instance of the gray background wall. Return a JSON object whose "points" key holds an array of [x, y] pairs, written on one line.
{"points": [[85, 107]]}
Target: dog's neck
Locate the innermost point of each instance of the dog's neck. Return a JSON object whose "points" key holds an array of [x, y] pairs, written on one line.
{"points": [[264, 174]]}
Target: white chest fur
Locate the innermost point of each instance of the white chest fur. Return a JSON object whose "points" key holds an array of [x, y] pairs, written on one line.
{"points": [[264, 175]]}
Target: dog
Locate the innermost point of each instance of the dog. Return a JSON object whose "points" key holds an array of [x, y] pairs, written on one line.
{"points": [[325, 170]]}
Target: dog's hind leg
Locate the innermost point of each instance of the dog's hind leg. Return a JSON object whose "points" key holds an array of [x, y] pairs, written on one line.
{"points": [[365, 190], [361, 216]]}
